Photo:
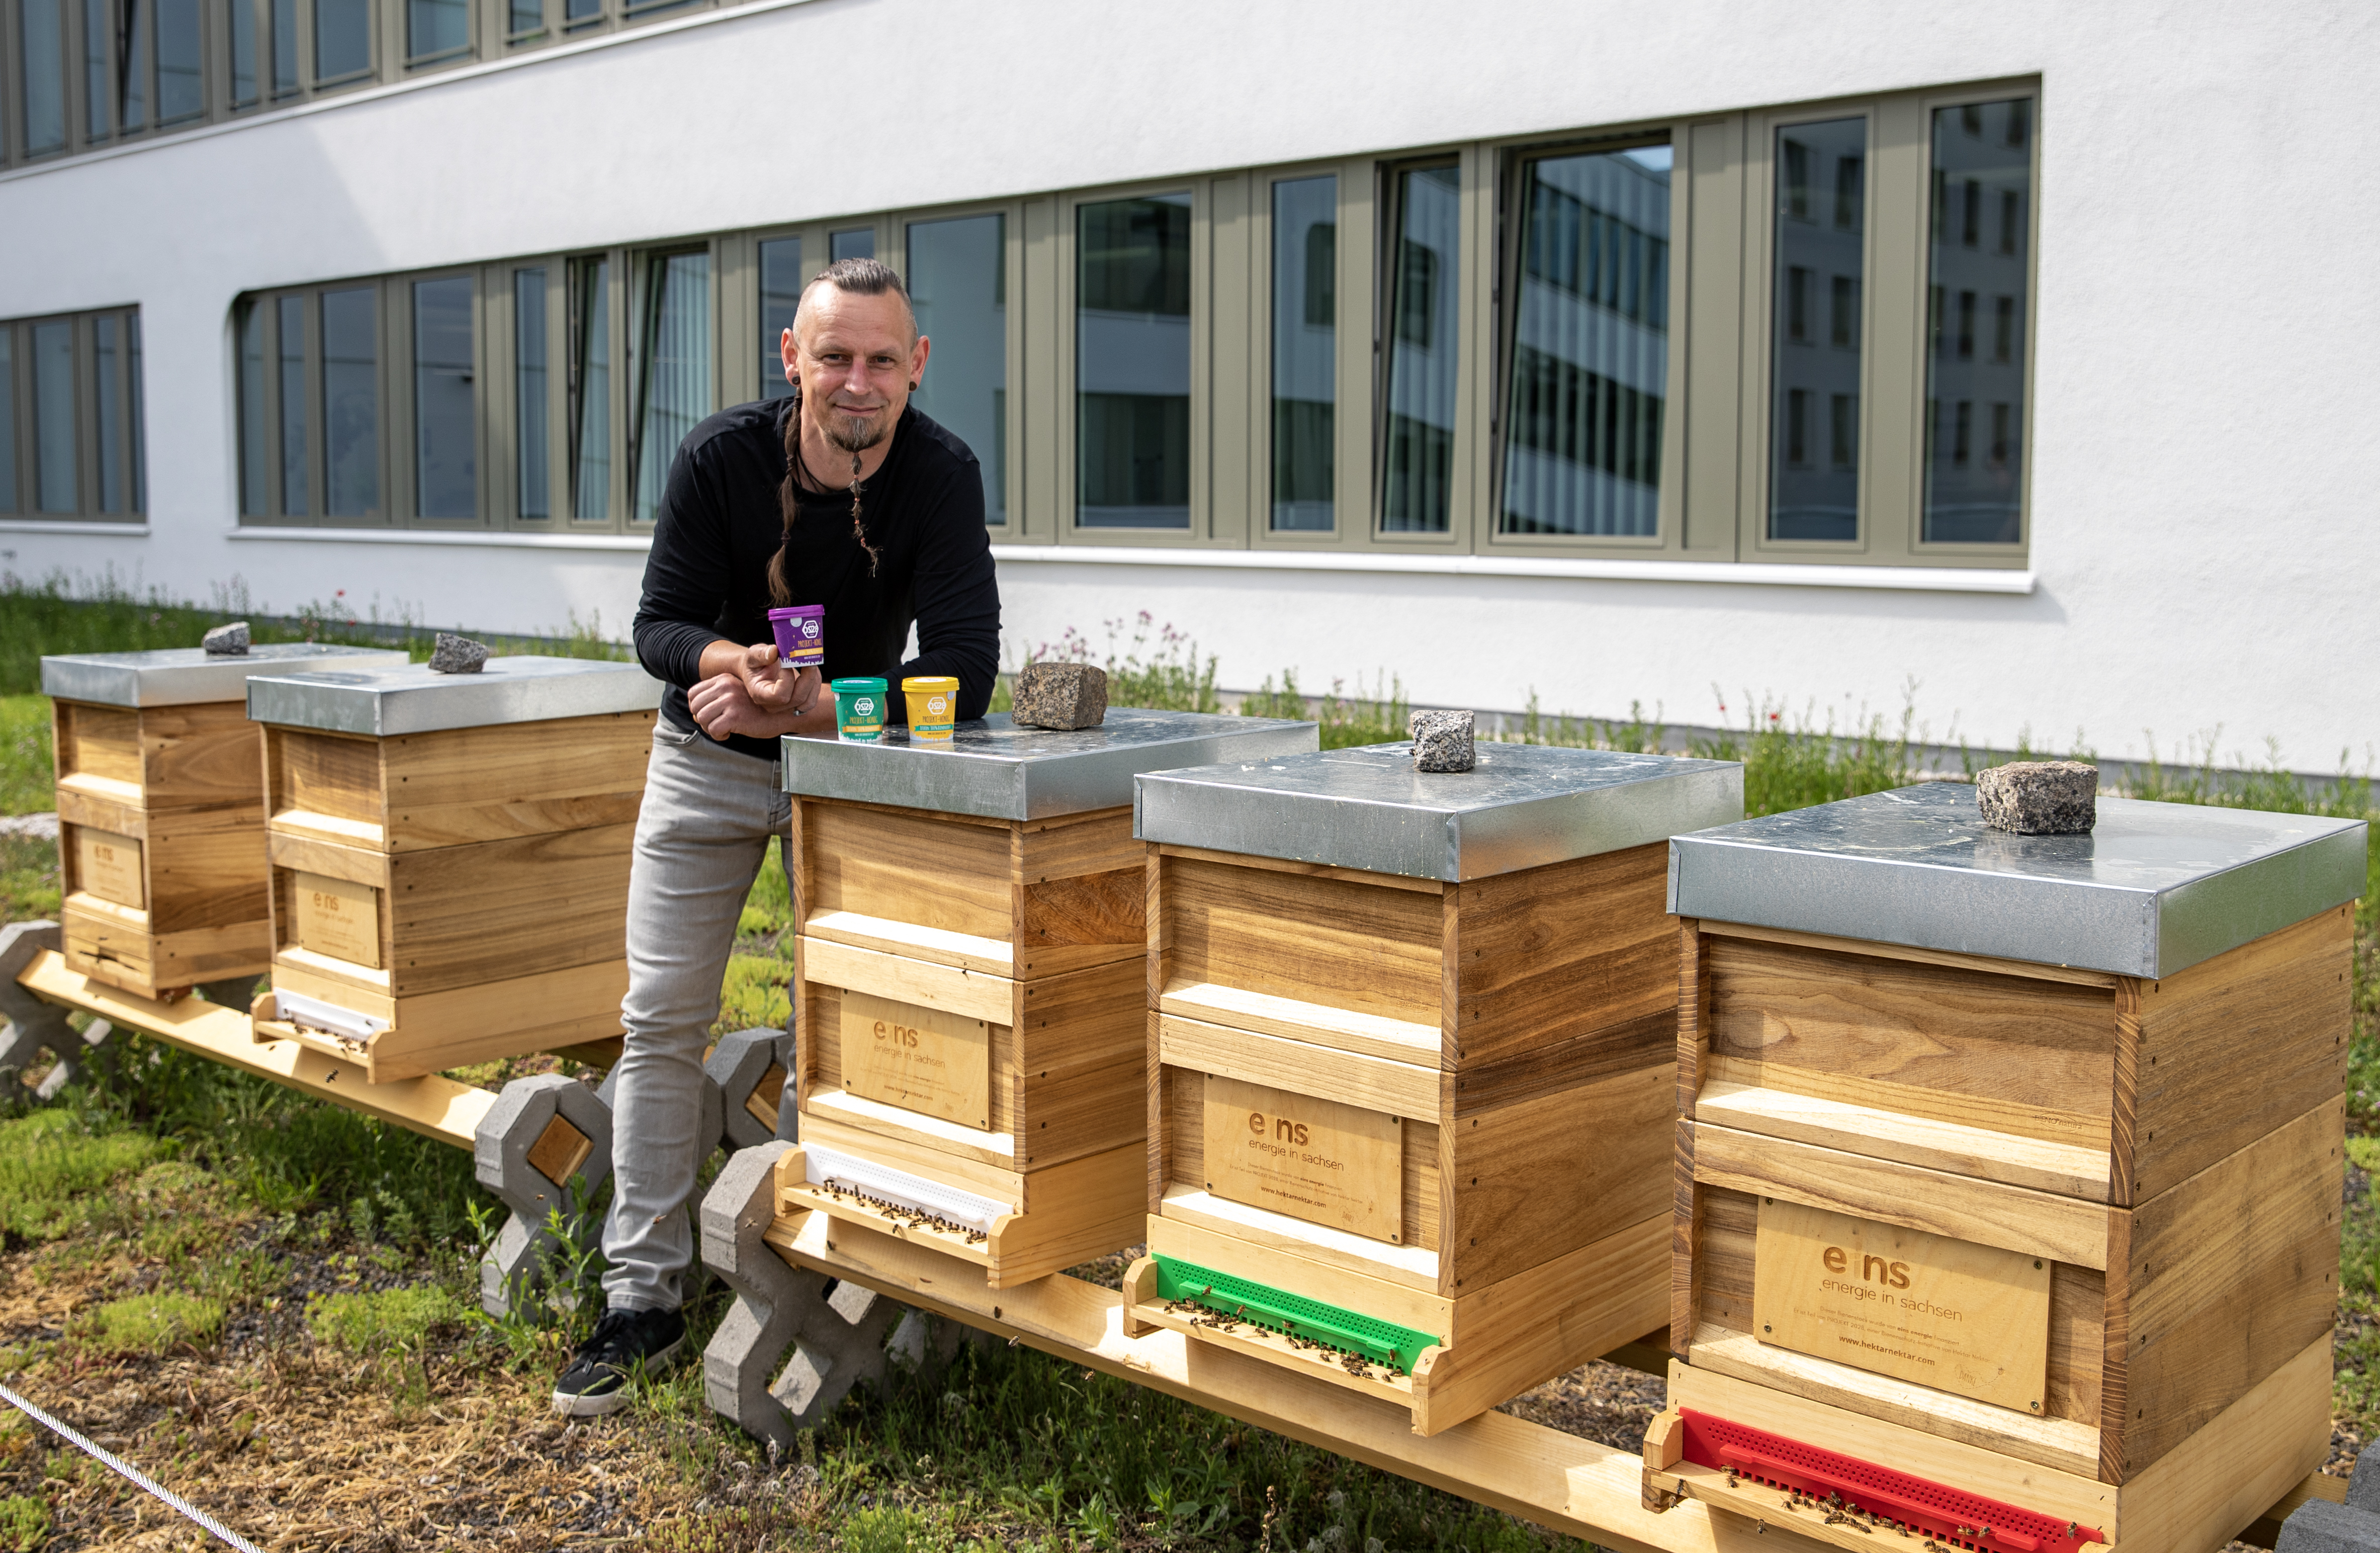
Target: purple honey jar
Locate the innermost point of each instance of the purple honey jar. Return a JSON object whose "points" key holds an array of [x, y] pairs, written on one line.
{"points": [[801, 635]]}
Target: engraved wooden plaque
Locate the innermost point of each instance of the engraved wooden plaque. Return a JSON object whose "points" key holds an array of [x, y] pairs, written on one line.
{"points": [[336, 917], [108, 865], [1320, 1160], [920, 1059], [1949, 1314]]}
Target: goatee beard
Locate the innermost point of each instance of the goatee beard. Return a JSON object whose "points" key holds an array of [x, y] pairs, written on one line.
{"points": [[854, 433]]}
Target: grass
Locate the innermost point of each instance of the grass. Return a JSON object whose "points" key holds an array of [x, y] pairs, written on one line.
{"points": [[147, 1324], [50, 1169], [382, 1321]]}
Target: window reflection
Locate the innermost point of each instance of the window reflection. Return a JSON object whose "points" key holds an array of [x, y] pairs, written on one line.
{"points": [[435, 29], [857, 243], [1975, 357], [1424, 297], [674, 387], [781, 295], [56, 489], [292, 342], [445, 447], [1132, 362], [132, 63], [342, 38], [1590, 347], [255, 491], [107, 416], [529, 403], [351, 402], [590, 390], [243, 53], [1819, 263], [7, 421], [1305, 351], [181, 89], [958, 283], [41, 38], [98, 91]]}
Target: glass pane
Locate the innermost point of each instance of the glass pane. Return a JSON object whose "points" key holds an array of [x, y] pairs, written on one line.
{"points": [[255, 495], [526, 17], [342, 39], [134, 63], [140, 427], [1590, 347], [1131, 363], [284, 46], [1424, 295], [1814, 350], [575, 12], [180, 93], [958, 283], [530, 405], [1304, 350], [107, 416], [292, 331], [858, 243], [434, 28], [7, 418], [57, 486], [350, 402], [675, 390], [41, 34], [780, 293], [98, 91], [243, 51], [1977, 301], [445, 447], [590, 390]]}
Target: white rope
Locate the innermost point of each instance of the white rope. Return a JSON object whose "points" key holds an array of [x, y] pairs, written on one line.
{"points": [[132, 1473]]}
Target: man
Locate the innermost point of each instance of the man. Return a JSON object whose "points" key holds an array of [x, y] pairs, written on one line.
{"points": [[840, 496]]}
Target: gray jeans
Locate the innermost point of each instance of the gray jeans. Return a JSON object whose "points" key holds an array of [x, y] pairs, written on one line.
{"points": [[705, 825]]}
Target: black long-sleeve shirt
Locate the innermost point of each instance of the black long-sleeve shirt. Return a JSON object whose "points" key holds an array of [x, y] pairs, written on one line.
{"points": [[719, 524]]}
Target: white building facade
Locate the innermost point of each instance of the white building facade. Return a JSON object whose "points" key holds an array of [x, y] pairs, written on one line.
{"points": [[1509, 349]]}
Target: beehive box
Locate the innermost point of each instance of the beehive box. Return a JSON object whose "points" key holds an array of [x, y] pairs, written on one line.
{"points": [[969, 981], [1411, 1047], [2016, 1157], [450, 857], [161, 811]]}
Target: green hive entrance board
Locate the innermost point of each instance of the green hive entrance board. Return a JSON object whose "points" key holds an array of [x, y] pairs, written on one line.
{"points": [[1383, 1342]]}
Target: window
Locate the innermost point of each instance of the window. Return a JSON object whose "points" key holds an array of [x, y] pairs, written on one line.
{"points": [[958, 284], [436, 29], [1419, 385], [350, 352], [291, 314], [1132, 362], [857, 243], [1590, 353], [1305, 373], [445, 429], [531, 404], [1982, 155], [674, 375], [781, 295], [590, 390], [1805, 502], [42, 62], [70, 423], [342, 39]]}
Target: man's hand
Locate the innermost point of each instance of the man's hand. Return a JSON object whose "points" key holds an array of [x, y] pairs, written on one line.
{"points": [[723, 704], [774, 685]]}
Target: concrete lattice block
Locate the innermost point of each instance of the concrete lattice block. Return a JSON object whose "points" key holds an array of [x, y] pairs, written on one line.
{"points": [[525, 1152], [2320, 1526], [739, 1065], [830, 1336]]}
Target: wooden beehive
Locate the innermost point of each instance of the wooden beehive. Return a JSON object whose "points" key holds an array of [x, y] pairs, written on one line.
{"points": [[160, 812], [450, 858], [969, 1019], [1411, 1047], [2052, 1177]]}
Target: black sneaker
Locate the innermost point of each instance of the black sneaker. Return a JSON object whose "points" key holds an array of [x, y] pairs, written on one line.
{"points": [[625, 1342]]}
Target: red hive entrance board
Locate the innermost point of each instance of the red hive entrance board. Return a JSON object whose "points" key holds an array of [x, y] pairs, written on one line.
{"points": [[1947, 1514]]}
